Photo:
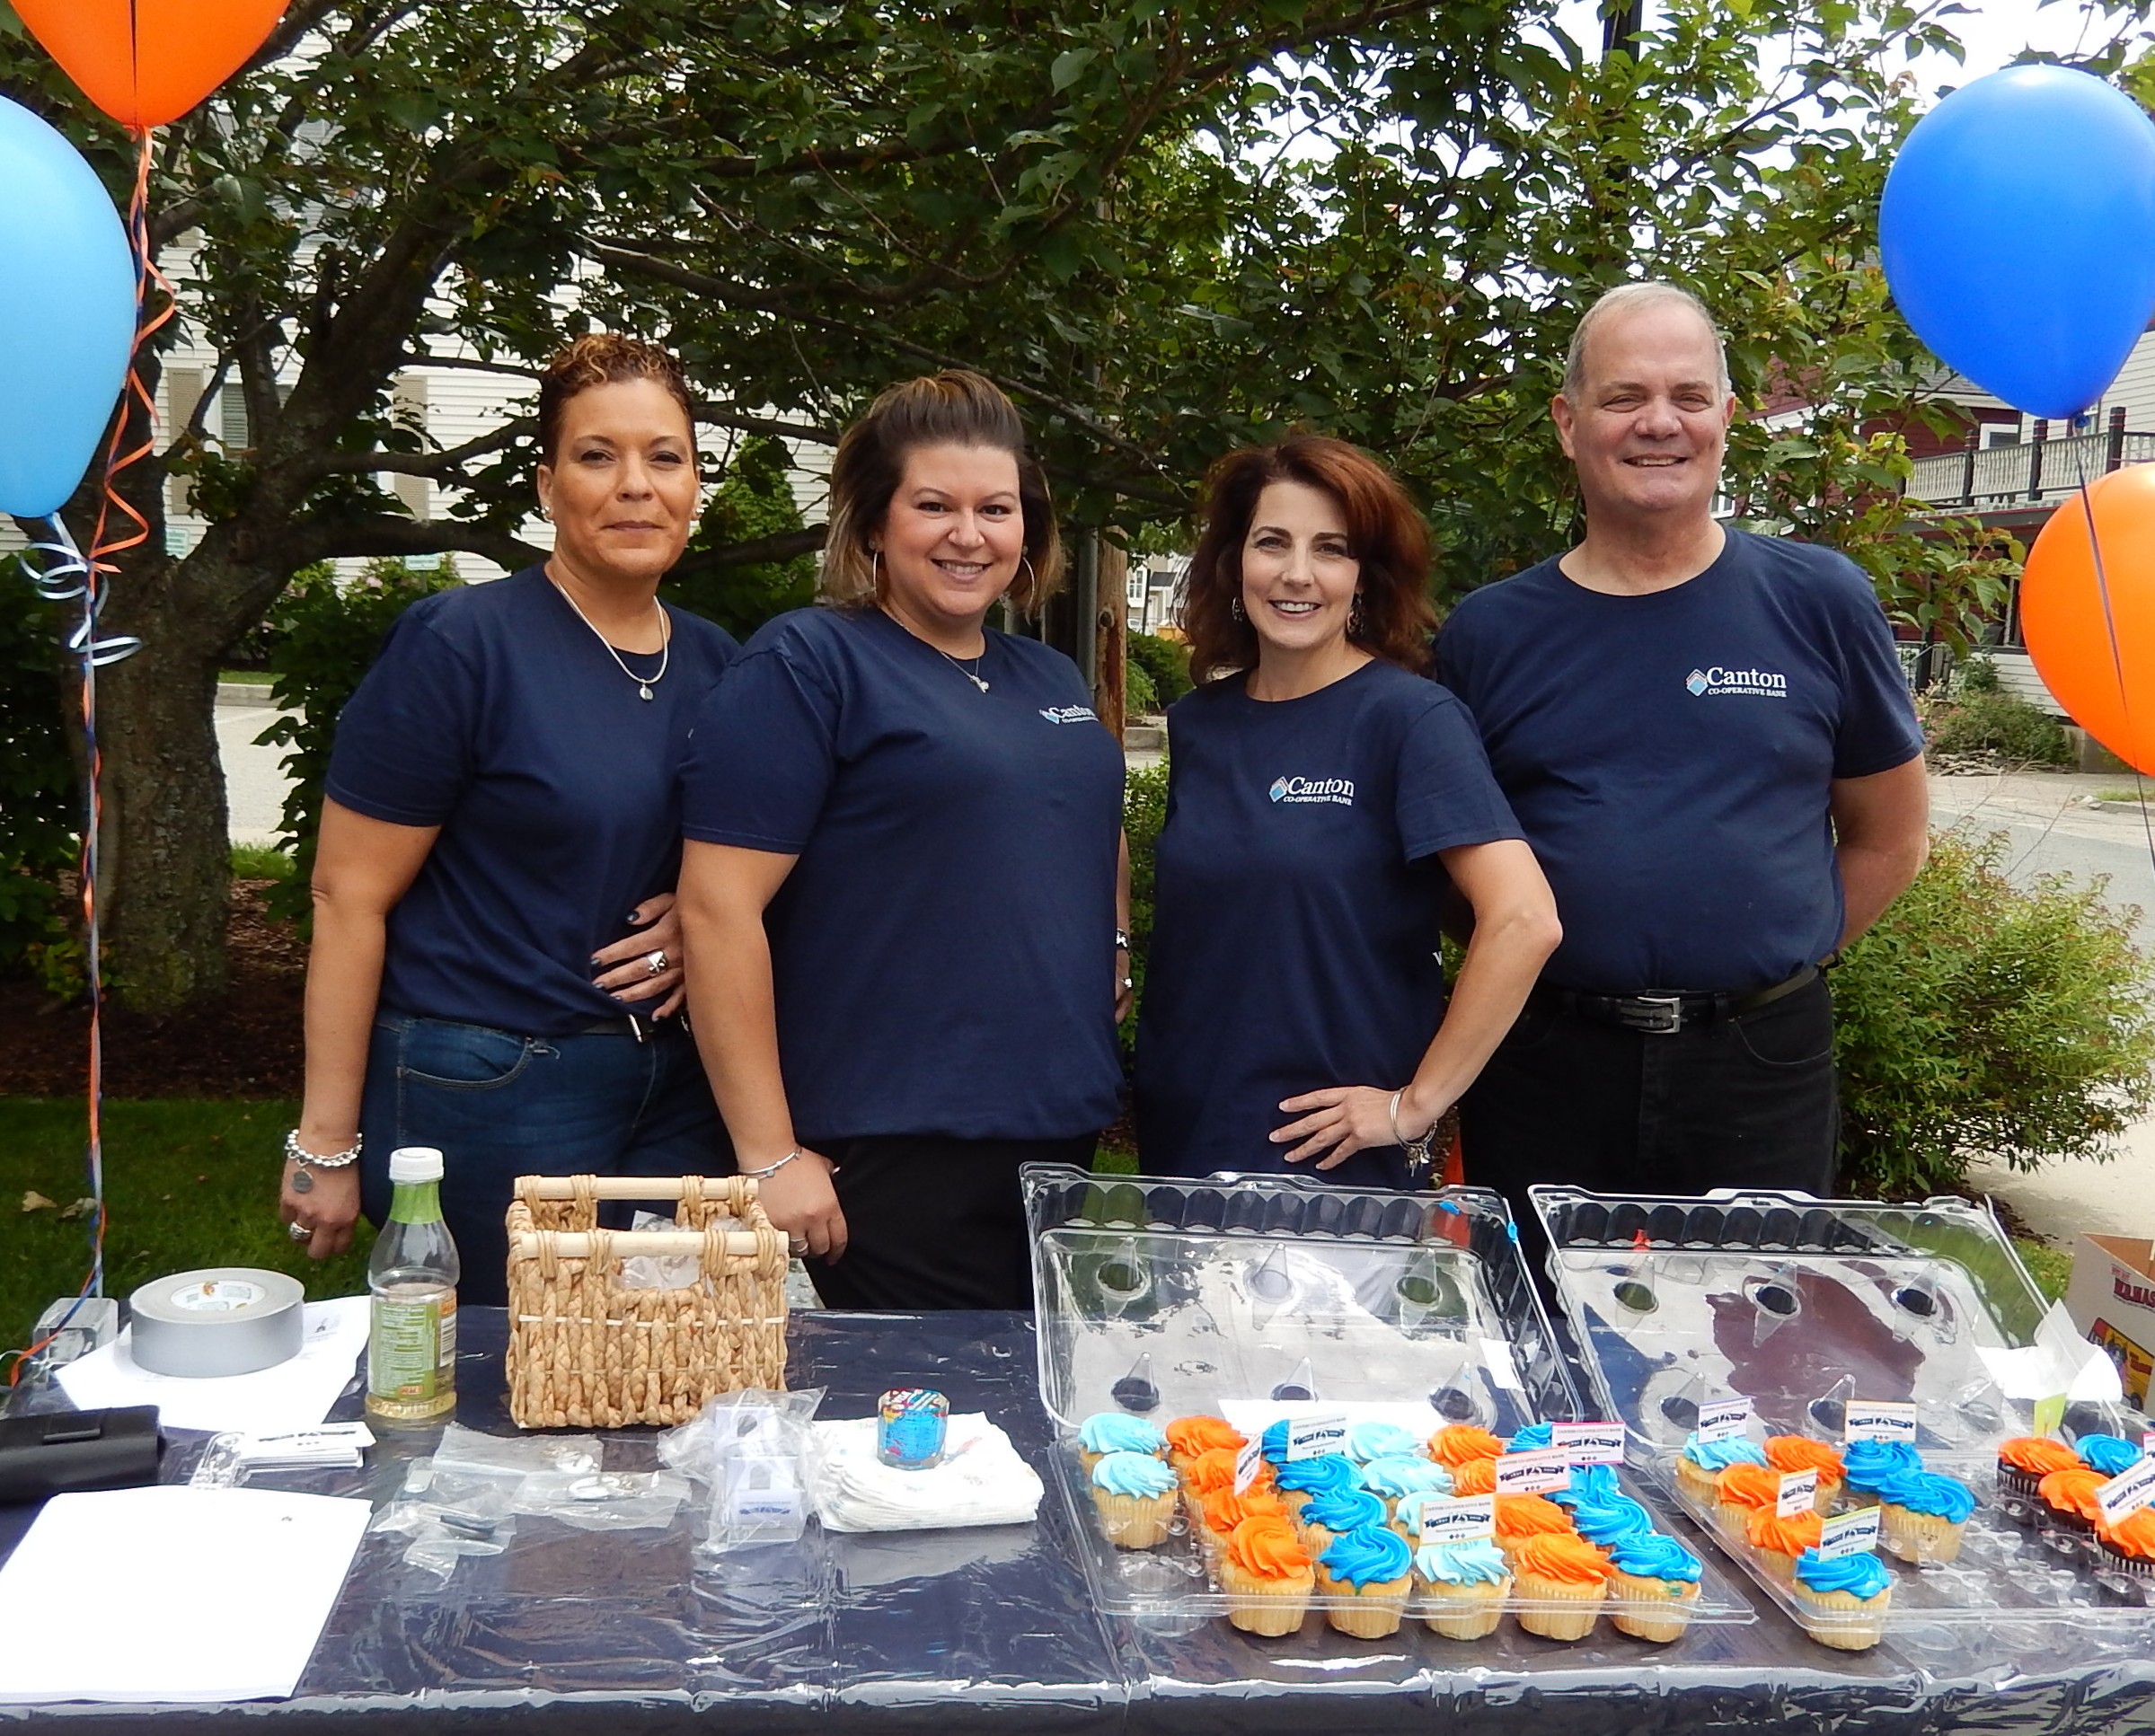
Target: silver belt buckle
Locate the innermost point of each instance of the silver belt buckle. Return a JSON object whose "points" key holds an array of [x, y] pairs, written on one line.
{"points": [[1656, 1015]]}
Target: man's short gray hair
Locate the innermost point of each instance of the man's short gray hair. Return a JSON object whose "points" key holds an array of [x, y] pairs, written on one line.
{"points": [[1626, 296]]}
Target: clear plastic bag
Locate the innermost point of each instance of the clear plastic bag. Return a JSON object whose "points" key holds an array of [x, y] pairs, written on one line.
{"points": [[603, 1500], [747, 1449], [450, 1512]]}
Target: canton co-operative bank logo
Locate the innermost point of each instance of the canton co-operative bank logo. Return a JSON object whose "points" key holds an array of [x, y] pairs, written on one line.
{"points": [[1758, 683], [1340, 790]]}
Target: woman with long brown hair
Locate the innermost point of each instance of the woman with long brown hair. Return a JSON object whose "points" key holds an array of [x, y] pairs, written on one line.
{"points": [[1323, 796]]}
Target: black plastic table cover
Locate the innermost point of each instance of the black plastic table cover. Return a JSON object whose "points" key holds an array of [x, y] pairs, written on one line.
{"points": [[967, 1633]]}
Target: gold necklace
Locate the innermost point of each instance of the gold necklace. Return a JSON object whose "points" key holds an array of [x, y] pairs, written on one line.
{"points": [[666, 641]]}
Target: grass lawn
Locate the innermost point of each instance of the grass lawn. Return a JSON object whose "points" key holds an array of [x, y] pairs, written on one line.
{"points": [[188, 1183]]}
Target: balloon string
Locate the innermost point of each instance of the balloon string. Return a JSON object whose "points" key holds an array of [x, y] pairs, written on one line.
{"points": [[101, 547], [2117, 656]]}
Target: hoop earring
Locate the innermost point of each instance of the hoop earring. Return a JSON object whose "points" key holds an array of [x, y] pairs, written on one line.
{"points": [[1234, 607], [875, 571], [1032, 583], [1353, 616]]}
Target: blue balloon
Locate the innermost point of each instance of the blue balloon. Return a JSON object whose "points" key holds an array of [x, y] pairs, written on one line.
{"points": [[66, 314], [2019, 234]]}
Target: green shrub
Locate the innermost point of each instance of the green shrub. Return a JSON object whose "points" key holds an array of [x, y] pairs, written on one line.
{"points": [[1981, 1020], [1979, 720], [262, 862], [1143, 813], [753, 500], [1138, 698], [1978, 675], [1166, 662], [326, 639]]}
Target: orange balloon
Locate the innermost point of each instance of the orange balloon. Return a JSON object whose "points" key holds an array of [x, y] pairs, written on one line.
{"points": [[145, 62], [2063, 621]]}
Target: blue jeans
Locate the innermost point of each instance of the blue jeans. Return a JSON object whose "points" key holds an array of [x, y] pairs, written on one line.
{"points": [[499, 1105]]}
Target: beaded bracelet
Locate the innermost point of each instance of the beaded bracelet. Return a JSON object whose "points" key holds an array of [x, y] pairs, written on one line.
{"points": [[310, 1160]]}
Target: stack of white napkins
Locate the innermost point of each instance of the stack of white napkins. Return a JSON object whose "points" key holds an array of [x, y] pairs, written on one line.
{"points": [[980, 1481]]}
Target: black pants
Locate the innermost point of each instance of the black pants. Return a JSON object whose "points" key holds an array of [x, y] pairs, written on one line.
{"points": [[933, 1223], [1732, 1102]]}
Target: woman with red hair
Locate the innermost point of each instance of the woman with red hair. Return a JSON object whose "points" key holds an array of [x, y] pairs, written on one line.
{"points": [[1323, 798]]}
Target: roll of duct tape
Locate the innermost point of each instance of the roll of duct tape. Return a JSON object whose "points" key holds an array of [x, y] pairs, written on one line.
{"points": [[221, 1320]]}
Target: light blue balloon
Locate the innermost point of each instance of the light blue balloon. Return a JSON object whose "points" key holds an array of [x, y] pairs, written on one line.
{"points": [[66, 314], [2018, 232]]}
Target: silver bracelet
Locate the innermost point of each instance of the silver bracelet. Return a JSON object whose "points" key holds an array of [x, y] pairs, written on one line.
{"points": [[764, 1175], [1419, 1154], [309, 1160]]}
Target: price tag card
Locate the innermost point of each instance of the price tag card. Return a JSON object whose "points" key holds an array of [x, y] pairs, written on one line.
{"points": [[2147, 1444], [1880, 1419], [2050, 1414], [1723, 1419], [2127, 1492], [1798, 1493], [1463, 1520], [1245, 1462], [1849, 1534], [765, 1506], [1312, 1437], [1534, 1473], [1588, 1443]]}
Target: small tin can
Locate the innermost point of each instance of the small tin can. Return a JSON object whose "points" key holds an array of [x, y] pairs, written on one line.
{"points": [[910, 1425]]}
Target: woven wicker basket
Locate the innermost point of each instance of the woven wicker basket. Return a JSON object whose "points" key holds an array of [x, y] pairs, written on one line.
{"points": [[584, 1352]]}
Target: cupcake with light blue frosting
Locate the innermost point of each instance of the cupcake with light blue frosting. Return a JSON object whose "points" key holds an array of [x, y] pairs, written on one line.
{"points": [[1843, 1602], [1404, 1475], [1606, 1523], [1366, 1575], [1406, 1511], [1655, 1585], [1133, 1493], [1921, 1515], [1114, 1432], [1464, 1585], [1332, 1513], [2111, 1454], [1699, 1464], [1872, 1463], [1368, 1440]]}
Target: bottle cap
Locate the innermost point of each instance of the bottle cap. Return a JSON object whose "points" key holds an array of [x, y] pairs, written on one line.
{"points": [[414, 1163]]}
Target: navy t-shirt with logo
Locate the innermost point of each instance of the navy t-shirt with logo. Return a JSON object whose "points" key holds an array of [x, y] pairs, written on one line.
{"points": [[1295, 901], [494, 713], [943, 950], [1672, 755]]}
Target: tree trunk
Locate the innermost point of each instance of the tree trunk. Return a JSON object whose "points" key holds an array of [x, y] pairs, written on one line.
{"points": [[1109, 693]]}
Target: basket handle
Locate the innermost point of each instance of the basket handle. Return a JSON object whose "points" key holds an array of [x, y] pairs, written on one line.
{"points": [[532, 1188], [580, 1244]]}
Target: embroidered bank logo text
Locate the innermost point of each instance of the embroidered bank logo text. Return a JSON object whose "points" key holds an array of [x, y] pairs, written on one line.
{"points": [[1751, 684], [1069, 714], [1337, 790]]}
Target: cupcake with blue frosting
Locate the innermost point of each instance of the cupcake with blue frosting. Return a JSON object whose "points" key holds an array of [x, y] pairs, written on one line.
{"points": [[1332, 1513], [1606, 1523], [1366, 1575], [1921, 1515], [1464, 1585], [1699, 1464], [1843, 1602], [1403, 1473], [1133, 1493], [1368, 1440], [2111, 1454], [1531, 1439], [1113, 1432], [1653, 1586], [1301, 1478], [1591, 1485], [1869, 1464]]}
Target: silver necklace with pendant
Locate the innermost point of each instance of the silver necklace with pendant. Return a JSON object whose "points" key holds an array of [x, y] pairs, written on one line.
{"points": [[666, 643], [972, 674]]}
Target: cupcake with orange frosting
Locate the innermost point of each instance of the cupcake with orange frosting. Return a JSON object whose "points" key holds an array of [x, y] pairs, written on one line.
{"points": [[1267, 1576], [2070, 1510], [1566, 1580], [1521, 1517], [1453, 1445], [1476, 1476], [1740, 1488], [1188, 1437], [2129, 1545], [2023, 1462], [1214, 1470], [1798, 1452], [1224, 1510], [1778, 1541], [1365, 1576]]}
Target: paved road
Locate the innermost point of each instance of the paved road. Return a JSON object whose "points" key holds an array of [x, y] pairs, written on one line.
{"points": [[2044, 815]]}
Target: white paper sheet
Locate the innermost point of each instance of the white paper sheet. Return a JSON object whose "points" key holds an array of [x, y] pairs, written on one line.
{"points": [[173, 1594], [294, 1394]]}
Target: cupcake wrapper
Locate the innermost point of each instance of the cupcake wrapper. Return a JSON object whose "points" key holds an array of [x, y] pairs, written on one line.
{"points": [[1135, 1521], [1918, 1538], [1650, 1609], [1841, 1620], [1571, 1611], [1366, 1612], [1829, 1491], [2014, 1484], [1465, 1612], [1774, 1564], [1695, 1481]]}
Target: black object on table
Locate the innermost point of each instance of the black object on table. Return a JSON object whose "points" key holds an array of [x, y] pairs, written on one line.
{"points": [[953, 1633]]}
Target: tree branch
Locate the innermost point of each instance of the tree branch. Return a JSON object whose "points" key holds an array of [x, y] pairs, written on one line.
{"points": [[785, 546], [385, 533]]}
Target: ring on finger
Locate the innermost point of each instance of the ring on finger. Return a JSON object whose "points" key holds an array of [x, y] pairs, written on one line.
{"points": [[654, 963], [298, 1231]]}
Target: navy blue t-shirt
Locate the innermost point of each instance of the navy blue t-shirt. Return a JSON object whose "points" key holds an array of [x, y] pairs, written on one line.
{"points": [[494, 713], [1672, 755], [943, 950], [1294, 924]]}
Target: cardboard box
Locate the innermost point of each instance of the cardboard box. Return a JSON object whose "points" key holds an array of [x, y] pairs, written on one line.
{"points": [[2111, 1300]]}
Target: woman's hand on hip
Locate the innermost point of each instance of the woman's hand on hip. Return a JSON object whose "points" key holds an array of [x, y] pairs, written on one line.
{"points": [[801, 1201], [327, 1204], [646, 963], [1340, 1120]]}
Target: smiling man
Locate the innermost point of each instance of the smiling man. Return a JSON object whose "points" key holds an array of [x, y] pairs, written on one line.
{"points": [[1707, 738]]}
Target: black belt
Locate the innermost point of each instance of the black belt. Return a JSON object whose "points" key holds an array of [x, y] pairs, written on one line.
{"points": [[634, 1024], [1664, 1015]]}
